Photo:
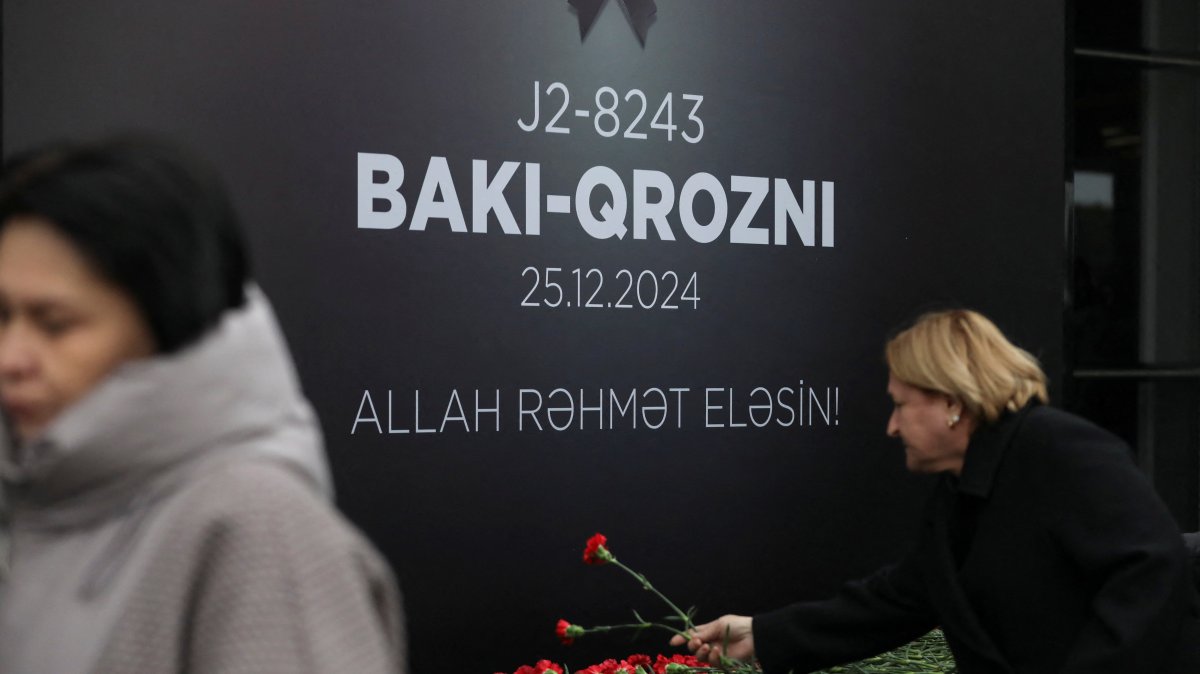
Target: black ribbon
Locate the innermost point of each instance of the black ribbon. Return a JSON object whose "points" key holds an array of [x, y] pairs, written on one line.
{"points": [[639, 12]]}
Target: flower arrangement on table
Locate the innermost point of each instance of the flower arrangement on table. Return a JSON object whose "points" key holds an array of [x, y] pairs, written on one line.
{"points": [[927, 655]]}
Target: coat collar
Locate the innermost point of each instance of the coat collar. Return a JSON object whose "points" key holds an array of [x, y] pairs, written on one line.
{"points": [[235, 389], [986, 451], [959, 619]]}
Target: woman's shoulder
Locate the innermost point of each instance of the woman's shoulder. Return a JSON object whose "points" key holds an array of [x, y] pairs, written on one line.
{"points": [[257, 549], [1050, 435], [248, 482], [259, 502], [1044, 421]]}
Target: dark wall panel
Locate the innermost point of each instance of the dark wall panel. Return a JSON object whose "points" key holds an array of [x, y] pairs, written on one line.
{"points": [[931, 131]]}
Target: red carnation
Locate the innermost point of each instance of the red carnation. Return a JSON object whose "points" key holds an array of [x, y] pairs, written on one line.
{"points": [[595, 552], [606, 667], [567, 632], [542, 667], [642, 661], [675, 663]]}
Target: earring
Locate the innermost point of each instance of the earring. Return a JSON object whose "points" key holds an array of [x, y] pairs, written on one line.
{"points": [[952, 420]]}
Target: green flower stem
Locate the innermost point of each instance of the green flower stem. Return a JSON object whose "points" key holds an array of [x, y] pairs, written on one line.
{"points": [[632, 626], [687, 620], [739, 668]]}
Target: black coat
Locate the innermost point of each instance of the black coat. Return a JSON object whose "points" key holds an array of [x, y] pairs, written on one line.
{"points": [[1192, 543], [1050, 553]]}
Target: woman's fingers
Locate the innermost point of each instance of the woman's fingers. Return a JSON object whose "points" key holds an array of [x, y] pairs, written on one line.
{"points": [[705, 641], [696, 636]]}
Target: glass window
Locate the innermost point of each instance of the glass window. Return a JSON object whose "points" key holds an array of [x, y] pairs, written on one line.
{"points": [[1133, 310]]}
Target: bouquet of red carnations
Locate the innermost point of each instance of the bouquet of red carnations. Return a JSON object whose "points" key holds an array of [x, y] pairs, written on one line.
{"points": [[596, 552], [634, 664], [928, 654]]}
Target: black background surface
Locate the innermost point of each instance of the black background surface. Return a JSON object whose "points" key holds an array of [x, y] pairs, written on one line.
{"points": [[939, 121]]}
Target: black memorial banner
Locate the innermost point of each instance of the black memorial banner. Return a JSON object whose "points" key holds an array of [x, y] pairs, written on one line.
{"points": [[550, 268]]}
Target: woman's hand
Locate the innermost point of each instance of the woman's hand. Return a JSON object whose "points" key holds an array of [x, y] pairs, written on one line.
{"points": [[710, 640]]}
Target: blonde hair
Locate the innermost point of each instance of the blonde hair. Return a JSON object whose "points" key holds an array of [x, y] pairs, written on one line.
{"points": [[964, 355]]}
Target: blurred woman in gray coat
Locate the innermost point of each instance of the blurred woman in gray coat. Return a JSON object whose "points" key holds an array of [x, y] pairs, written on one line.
{"points": [[166, 486]]}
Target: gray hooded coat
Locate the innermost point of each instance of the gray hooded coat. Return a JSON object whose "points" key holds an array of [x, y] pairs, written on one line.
{"points": [[176, 519]]}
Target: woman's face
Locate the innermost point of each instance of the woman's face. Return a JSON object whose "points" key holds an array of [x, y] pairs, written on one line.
{"points": [[63, 327], [934, 441]]}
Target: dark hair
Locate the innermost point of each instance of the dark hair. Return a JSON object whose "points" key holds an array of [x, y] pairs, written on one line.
{"points": [[152, 219]]}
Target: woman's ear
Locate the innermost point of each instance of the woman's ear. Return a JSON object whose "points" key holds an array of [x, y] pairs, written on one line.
{"points": [[954, 411], [954, 405]]}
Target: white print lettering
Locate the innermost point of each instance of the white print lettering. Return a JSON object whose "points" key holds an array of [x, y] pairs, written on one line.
{"points": [[554, 288], [645, 205], [606, 110], [563, 409]]}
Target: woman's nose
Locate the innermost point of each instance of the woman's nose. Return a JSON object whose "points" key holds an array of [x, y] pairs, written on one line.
{"points": [[893, 428], [16, 353]]}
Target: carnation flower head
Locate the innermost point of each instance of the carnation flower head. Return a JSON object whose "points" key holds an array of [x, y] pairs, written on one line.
{"points": [[567, 633], [642, 661], [541, 667], [596, 552], [676, 664], [606, 667]]}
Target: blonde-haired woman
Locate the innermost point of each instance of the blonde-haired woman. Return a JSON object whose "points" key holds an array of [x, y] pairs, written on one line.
{"points": [[1042, 548]]}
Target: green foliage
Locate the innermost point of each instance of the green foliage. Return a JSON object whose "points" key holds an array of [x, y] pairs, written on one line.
{"points": [[929, 654]]}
